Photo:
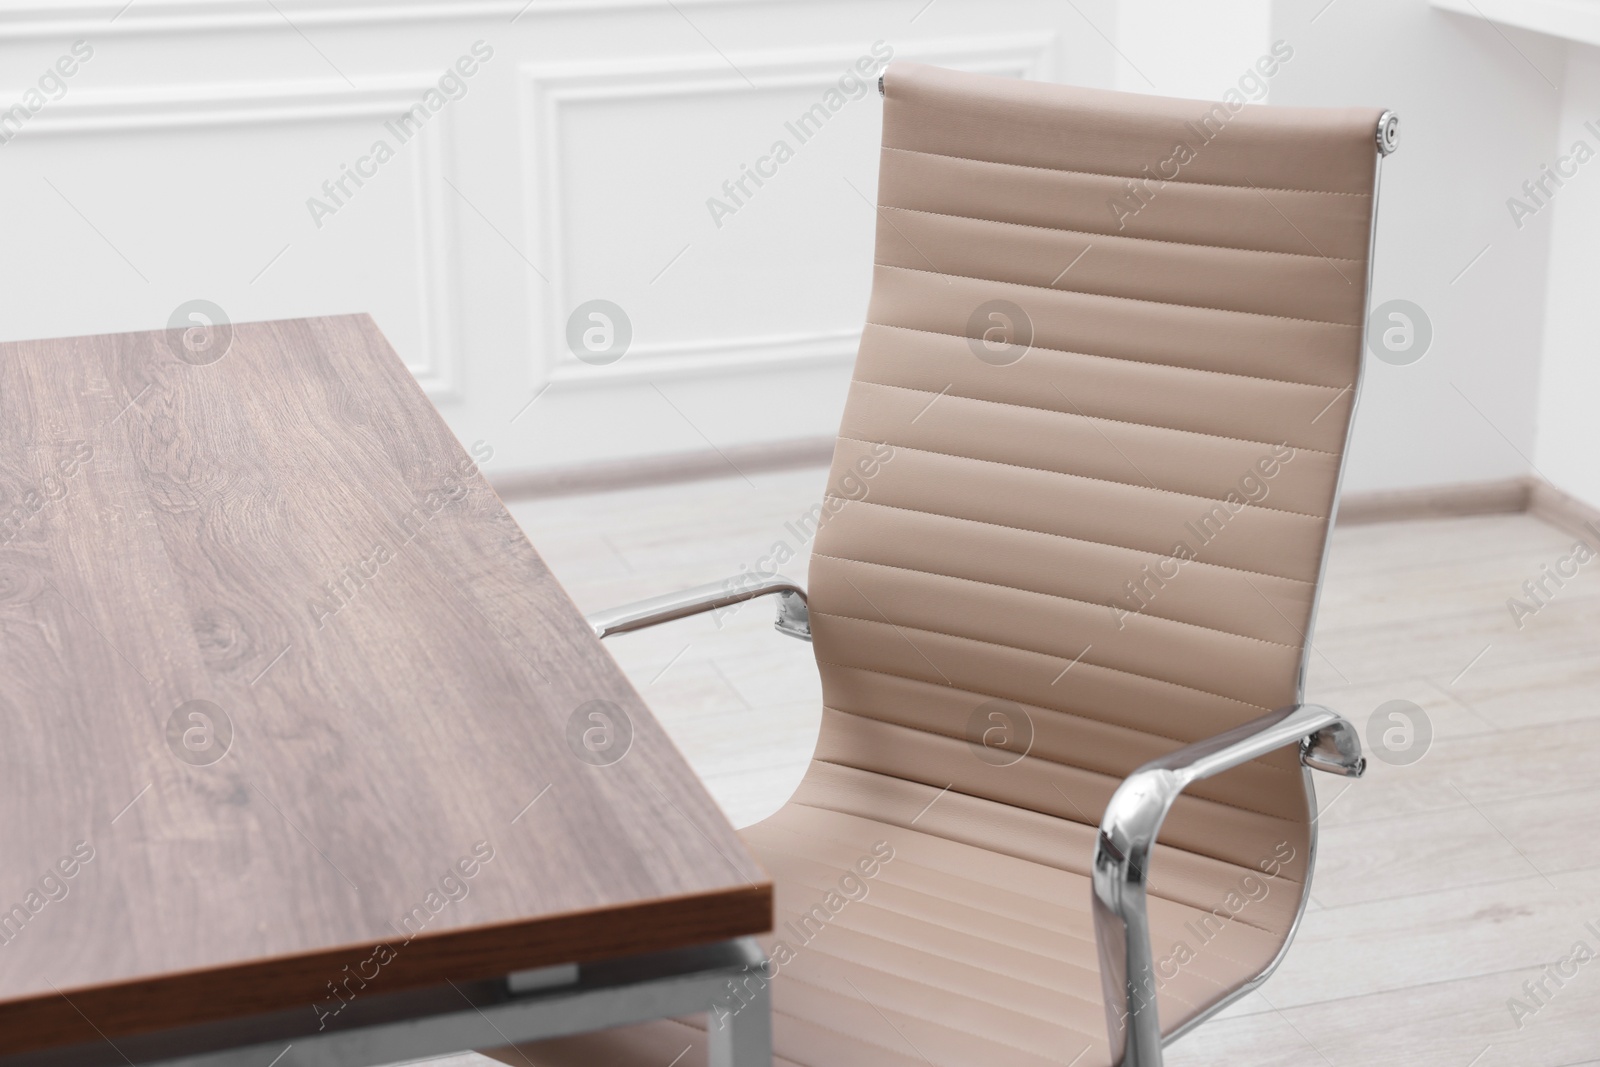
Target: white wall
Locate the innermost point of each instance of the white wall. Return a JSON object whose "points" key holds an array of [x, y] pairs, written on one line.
{"points": [[1479, 108], [1188, 48], [1568, 445], [1477, 120], [180, 159], [179, 162]]}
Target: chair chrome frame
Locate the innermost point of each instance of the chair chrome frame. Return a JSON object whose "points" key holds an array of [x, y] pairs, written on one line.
{"points": [[1127, 838], [793, 616], [1133, 818]]}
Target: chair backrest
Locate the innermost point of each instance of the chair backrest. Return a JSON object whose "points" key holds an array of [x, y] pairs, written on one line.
{"points": [[1089, 461]]}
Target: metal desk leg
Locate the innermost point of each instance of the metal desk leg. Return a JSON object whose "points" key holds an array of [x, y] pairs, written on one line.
{"points": [[743, 1038]]}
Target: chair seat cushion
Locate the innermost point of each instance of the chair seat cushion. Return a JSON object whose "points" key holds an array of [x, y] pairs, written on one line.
{"points": [[895, 947]]}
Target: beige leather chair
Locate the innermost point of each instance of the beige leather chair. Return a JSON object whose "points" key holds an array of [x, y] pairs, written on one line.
{"points": [[1076, 524]]}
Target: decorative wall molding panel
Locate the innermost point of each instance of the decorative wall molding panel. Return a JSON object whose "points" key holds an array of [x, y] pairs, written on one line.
{"points": [[120, 17], [186, 160], [694, 84], [192, 112]]}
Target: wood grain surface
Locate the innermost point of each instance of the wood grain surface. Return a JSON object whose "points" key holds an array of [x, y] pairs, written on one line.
{"points": [[290, 534]]}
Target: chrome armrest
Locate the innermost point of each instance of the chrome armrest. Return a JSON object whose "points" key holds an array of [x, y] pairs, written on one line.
{"points": [[793, 616], [1128, 835]]}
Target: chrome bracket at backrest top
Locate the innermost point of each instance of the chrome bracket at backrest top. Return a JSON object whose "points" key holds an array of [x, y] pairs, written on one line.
{"points": [[1388, 133]]}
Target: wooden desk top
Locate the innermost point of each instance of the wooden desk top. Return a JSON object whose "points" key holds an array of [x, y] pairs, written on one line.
{"points": [[290, 534]]}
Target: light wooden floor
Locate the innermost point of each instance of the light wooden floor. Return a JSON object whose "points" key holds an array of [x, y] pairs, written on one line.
{"points": [[1441, 887]]}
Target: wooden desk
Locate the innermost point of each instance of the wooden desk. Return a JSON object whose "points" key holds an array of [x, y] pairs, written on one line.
{"points": [[394, 794]]}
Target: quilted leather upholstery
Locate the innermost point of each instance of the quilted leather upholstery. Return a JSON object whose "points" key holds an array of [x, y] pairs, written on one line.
{"points": [[1055, 556]]}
